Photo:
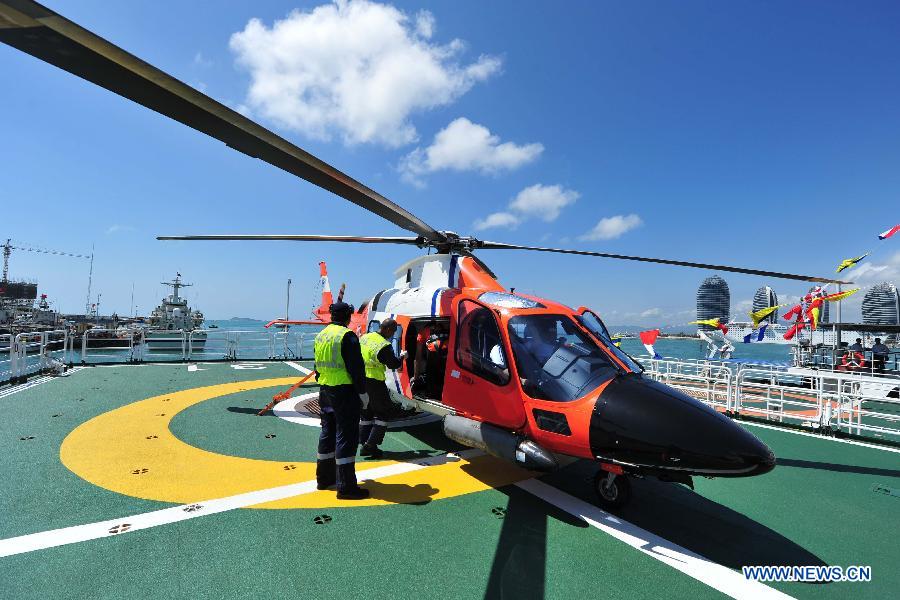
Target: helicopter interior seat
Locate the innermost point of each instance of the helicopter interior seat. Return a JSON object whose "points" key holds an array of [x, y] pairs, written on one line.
{"points": [[479, 348]]}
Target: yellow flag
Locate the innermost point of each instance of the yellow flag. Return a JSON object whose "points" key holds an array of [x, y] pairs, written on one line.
{"points": [[846, 264], [763, 313], [840, 295], [710, 322]]}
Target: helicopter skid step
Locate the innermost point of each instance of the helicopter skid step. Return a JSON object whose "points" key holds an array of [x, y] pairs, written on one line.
{"points": [[434, 407]]}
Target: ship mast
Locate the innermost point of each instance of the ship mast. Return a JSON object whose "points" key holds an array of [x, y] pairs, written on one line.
{"points": [[176, 285]]}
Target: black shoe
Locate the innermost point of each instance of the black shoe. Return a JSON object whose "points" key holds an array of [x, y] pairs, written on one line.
{"points": [[371, 451], [324, 486], [356, 493]]}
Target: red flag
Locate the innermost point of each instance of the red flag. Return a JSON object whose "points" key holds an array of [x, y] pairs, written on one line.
{"points": [[794, 312], [794, 330], [649, 337]]}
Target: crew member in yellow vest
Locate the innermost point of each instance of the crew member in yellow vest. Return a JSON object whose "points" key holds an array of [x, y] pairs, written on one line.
{"points": [[378, 356], [342, 394]]}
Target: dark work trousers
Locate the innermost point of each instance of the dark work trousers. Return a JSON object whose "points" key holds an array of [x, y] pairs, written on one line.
{"points": [[373, 421], [336, 457]]}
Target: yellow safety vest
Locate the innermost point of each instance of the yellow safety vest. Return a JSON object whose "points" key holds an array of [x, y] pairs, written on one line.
{"points": [[371, 344], [329, 361]]}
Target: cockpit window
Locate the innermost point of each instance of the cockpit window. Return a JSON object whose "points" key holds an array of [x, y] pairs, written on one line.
{"points": [[592, 323], [555, 359]]}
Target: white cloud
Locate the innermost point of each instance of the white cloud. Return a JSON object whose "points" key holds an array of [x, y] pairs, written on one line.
{"points": [[466, 146], [354, 68], [201, 61], [609, 228], [875, 272], [542, 201], [651, 312], [497, 219], [117, 228]]}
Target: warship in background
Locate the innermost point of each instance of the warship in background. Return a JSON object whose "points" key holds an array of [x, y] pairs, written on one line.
{"points": [[173, 322]]}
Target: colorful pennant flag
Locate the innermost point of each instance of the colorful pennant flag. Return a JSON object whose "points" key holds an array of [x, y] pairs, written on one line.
{"points": [[889, 232], [648, 338], [849, 262], [794, 312], [756, 336], [712, 323], [794, 330], [763, 313], [840, 295]]}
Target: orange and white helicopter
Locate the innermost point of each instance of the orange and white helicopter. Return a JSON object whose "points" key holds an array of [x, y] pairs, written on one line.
{"points": [[522, 377]]}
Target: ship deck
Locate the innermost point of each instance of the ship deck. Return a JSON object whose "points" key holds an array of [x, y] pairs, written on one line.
{"points": [[153, 480]]}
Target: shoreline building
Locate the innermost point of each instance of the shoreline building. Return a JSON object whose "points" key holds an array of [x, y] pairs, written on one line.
{"points": [[713, 300], [765, 297], [881, 305]]}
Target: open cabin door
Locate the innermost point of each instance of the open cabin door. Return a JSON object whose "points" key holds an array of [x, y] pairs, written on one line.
{"points": [[478, 378]]}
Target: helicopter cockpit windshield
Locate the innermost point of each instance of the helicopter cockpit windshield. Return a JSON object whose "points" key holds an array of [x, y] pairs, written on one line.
{"points": [[595, 325], [555, 359]]}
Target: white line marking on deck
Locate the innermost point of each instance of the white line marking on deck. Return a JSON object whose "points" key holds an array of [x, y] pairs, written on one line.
{"points": [[112, 527], [722, 578], [193, 368], [297, 366], [821, 437], [34, 383]]}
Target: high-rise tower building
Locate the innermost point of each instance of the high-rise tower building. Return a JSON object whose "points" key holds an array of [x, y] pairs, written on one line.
{"points": [[881, 305], [713, 299], [765, 297]]}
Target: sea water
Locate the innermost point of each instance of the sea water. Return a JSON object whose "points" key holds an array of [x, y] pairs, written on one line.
{"points": [[679, 348]]}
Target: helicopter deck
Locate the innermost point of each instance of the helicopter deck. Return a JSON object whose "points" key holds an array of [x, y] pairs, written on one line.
{"points": [[161, 481]]}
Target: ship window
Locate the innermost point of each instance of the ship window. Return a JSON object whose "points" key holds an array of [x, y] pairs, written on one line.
{"points": [[479, 348], [555, 359]]}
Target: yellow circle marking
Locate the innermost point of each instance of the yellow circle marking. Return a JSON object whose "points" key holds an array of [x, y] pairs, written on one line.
{"points": [[108, 449]]}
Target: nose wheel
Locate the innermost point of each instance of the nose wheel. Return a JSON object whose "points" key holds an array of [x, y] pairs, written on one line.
{"points": [[613, 491]]}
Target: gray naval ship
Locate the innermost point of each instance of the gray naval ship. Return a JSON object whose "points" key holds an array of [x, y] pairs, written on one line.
{"points": [[173, 324]]}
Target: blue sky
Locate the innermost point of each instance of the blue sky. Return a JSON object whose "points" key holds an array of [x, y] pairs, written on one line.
{"points": [[757, 134]]}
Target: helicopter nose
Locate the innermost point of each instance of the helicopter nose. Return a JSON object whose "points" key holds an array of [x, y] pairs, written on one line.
{"points": [[643, 422]]}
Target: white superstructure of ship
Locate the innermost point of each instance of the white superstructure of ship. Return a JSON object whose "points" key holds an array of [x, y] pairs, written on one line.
{"points": [[774, 334], [173, 321]]}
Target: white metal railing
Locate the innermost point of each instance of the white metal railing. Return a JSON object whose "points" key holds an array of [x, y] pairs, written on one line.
{"points": [[31, 352], [110, 345], [851, 402], [707, 381]]}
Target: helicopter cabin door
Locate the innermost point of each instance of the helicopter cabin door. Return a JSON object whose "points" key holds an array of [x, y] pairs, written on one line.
{"points": [[478, 382]]}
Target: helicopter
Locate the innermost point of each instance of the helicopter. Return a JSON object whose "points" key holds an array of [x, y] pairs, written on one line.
{"points": [[519, 376]]}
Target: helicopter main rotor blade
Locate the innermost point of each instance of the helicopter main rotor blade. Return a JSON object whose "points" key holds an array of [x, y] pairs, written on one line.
{"points": [[42, 33], [412, 241], [663, 261]]}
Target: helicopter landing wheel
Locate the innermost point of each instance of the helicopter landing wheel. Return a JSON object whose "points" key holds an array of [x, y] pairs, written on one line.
{"points": [[613, 491]]}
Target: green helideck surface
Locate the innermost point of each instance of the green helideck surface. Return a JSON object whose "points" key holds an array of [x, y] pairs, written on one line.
{"points": [[818, 507]]}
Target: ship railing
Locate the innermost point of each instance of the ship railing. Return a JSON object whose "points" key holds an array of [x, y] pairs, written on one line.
{"points": [[292, 345], [863, 405], [831, 359], [710, 383], [780, 396], [6, 357], [33, 352], [111, 351], [207, 344], [829, 401]]}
